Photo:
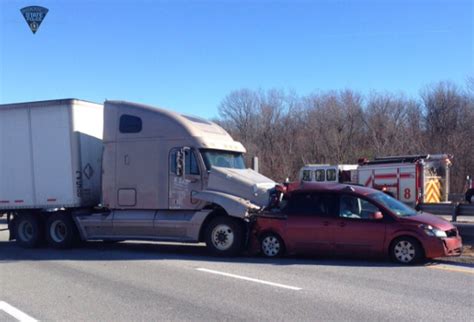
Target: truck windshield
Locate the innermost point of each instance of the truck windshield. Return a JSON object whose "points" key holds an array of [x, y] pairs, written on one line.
{"points": [[397, 207], [225, 159]]}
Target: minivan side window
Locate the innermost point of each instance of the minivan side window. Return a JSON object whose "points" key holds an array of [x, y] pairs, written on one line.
{"points": [[354, 207], [130, 124], [312, 204]]}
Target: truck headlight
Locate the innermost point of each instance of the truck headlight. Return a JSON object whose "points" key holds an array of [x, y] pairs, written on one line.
{"points": [[255, 190], [431, 231]]}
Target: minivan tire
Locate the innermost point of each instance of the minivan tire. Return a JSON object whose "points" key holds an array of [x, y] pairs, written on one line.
{"points": [[61, 231], [406, 251], [224, 236], [271, 245], [29, 230]]}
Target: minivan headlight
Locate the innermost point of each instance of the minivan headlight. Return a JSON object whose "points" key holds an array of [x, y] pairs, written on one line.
{"points": [[431, 231]]}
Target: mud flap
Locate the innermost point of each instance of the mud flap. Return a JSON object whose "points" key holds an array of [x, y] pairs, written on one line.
{"points": [[11, 226], [251, 234], [248, 231]]}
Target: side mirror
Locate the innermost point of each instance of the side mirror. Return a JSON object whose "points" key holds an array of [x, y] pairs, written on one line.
{"points": [[180, 162], [376, 216]]}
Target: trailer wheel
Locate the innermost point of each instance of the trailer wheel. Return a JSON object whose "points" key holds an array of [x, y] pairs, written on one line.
{"points": [[61, 231], [224, 236], [28, 230]]}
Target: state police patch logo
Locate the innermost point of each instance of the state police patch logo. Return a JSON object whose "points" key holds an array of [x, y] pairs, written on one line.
{"points": [[34, 16]]}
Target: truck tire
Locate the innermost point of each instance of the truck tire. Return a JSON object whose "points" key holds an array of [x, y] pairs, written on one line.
{"points": [[61, 231], [407, 251], [224, 236], [470, 196], [28, 230]]}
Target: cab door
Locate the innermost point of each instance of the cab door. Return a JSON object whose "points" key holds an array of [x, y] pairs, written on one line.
{"points": [[184, 179], [311, 222], [355, 231]]}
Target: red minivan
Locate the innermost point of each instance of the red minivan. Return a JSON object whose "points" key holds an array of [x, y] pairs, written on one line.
{"points": [[351, 220]]}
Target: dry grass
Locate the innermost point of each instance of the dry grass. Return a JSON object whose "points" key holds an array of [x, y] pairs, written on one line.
{"points": [[468, 250]]}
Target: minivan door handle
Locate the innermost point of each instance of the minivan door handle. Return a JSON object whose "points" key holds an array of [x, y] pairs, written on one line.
{"points": [[342, 224], [326, 223]]}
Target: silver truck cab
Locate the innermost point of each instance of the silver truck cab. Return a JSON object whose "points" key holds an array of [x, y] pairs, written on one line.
{"points": [[172, 177]]}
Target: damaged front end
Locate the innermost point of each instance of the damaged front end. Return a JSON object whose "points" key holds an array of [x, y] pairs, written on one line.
{"points": [[233, 205], [240, 192]]}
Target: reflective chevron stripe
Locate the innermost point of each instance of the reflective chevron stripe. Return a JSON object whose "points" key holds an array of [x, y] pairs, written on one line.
{"points": [[433, 191]]}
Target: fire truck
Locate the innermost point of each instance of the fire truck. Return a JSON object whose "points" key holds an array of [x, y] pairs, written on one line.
{"points": [[412, 179]]}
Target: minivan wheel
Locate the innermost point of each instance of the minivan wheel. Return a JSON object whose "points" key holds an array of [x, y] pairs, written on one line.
{"points": [[28, 230], [61, 231], [224, 236], [271, 245], [406, 250]]}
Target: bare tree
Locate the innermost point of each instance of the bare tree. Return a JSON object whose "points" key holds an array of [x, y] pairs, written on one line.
{"points": [[239, 111], [391, 123], [287, 131]]}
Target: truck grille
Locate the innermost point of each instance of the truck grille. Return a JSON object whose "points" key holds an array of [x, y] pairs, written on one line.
{"points": [[452, 232]]}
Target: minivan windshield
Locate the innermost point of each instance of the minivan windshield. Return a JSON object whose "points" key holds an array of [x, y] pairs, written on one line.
{"points": [[397, 207], [224, 159]]}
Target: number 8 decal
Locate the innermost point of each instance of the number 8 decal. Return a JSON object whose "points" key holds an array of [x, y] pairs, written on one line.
{"points": [[407, 193]]}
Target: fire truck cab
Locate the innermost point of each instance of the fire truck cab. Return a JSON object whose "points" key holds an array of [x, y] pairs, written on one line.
{"points": [[412, 179], [327, 173]]}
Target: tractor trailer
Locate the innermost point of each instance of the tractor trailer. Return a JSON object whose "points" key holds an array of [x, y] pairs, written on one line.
{"points": [[73, 170]]}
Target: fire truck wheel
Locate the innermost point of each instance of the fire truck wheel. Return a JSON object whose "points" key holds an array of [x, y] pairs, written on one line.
{"points": [[29, 230], [406, 250], [61, 231], [470, 196], [224, 236]]}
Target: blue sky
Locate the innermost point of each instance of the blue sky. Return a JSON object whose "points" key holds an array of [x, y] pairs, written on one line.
{"points": [[188, 55]]}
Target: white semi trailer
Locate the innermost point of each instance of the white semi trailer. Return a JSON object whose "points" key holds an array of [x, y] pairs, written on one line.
{"points": [[71, 170]]}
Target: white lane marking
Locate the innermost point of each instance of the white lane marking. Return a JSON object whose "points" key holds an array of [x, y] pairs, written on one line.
{"points": [[249, 279], [17, 314]]}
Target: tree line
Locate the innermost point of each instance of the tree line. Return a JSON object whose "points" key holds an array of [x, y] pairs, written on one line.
{"points": [[287, 131]]}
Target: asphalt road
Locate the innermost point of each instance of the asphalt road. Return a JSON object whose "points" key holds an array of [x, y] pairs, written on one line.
{"points": [[149, 281]]}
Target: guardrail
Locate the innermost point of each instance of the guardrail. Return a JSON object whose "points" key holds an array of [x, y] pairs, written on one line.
{"points": [[454, 210]]}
